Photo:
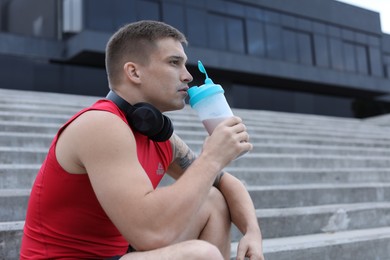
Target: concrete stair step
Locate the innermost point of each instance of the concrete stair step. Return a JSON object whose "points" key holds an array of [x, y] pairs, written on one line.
{"points": [[18, 176], [26, 134], [284, 118], [291, 139], [33, 117], [188, 118], [196, 137], [357, 244], [9, 96], [281, 176], [303, 195], [14, 201], [39, 103], [298, 120], [269, 148], [34, 155], [309, 161], [23, 175], [381, 120], [326, 133], [22, 155], [28, 127], [260, 127], [32, 139], [45, 117], [316, 149], [38, 108], [282, 130], [10, 239], [44, 99], [19, 139], [320, 219], [13, 133], [286, 139], [13, 204]]}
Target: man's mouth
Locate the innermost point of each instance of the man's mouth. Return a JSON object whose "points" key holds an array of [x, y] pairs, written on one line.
{"points": [[185, 89]]}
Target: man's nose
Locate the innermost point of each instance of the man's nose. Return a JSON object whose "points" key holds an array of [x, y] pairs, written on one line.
{"points": [[187, 77]]}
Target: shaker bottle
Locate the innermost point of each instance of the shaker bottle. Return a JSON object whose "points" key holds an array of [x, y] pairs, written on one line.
{"points": [[209, 101]]}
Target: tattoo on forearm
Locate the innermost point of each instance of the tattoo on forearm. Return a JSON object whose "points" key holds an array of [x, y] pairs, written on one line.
{"points": [[183, 155], [218, 180], [185, 161]]}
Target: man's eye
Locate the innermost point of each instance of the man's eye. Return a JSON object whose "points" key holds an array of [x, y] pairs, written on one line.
{"points": [[174, 62]]}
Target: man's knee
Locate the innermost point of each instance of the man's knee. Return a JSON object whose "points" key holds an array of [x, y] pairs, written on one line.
{"points": [[219, 203], [200, 249], [191, 250]]}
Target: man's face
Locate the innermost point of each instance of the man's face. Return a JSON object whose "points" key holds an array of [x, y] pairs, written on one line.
{"points": [[165, 78]]}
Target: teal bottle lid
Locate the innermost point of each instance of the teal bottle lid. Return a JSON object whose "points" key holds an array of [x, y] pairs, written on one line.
{"points": [[207, 89]]}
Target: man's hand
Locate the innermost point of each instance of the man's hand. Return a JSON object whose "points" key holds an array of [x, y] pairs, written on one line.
{"points": [[250, 246], [228, 140]]}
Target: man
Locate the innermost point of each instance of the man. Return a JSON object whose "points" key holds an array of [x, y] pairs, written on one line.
{"points": [[96, 191]]}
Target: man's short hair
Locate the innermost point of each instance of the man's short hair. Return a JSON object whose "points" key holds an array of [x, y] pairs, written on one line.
{"points": [[134, 42]]}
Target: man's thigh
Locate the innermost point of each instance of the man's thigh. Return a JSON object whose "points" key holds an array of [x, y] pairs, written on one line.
{"points": [[189, 250]]}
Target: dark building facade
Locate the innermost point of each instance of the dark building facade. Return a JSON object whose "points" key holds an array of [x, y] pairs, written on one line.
{"points": [[303, 56]]}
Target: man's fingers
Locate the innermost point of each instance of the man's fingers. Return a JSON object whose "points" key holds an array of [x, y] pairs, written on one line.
{"points": [[241, 251], [231, 121]]}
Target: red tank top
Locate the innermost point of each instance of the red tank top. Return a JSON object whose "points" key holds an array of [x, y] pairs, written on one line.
{"points": [[64, 218]]}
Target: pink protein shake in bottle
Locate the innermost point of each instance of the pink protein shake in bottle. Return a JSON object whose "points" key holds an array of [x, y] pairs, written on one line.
{"points": [[209, 101]]}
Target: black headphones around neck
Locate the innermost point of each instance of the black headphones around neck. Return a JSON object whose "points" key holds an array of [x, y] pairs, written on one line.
{"points": [[144, 118]]}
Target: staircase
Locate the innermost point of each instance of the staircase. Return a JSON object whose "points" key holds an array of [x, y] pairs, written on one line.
{"points": [[321, 185]]}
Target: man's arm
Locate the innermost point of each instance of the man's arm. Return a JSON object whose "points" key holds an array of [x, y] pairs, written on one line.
{"points": [[240, 204], [243, 215], [105, 147], [183, 157]]}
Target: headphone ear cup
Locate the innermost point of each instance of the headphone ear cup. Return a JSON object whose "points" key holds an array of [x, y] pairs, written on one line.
{"points": [[149, 121], [165, 132], [146, 119]]}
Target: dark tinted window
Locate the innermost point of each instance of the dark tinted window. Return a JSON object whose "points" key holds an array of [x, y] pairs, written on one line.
{"points": [[336, 54], [147, 10], [274, 47], [173, 14], [321, 50], [256, 40], [197, 31]]}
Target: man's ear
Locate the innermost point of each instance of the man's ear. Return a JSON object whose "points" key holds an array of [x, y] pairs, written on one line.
{"points": [[131, 71]]}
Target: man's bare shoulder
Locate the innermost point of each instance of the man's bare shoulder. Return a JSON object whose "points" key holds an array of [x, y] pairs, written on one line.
{"points": [[93, 134]]}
